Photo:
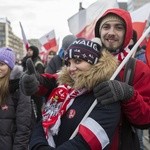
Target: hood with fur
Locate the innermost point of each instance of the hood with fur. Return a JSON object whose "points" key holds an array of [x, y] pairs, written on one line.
{"points": [[99, 72], [16, 72]]}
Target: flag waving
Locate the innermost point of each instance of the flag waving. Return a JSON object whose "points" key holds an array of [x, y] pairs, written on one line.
{"points": [[139, 18], [25, 41], [82, 23], [48, 41]]}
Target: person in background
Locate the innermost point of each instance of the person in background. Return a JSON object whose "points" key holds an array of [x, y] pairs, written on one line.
{"points": [[15, 107], [114, 28], [33, 53], [140, 52], [37, 101], [86, 64], [50, 55], [55, 64]]}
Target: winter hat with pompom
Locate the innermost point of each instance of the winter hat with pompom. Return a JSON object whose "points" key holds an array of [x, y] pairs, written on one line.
{"points": [[88, 50]]}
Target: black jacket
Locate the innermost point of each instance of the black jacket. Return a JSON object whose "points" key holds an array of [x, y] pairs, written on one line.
{"points": [[15, 120], [107, 116]]}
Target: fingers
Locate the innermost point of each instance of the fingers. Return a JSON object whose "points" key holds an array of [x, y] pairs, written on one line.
{"points": [[108, 97], [30, 66], [107, 101], [101, 89]]}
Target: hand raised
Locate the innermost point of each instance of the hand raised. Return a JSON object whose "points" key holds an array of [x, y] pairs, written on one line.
{"points": [[29, 82]]}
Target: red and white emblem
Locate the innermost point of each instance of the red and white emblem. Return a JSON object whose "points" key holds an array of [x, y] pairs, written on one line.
{"points": [[71, 113]]}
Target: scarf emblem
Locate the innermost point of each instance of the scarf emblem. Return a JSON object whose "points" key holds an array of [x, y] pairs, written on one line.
{"points": [[58, 103]]}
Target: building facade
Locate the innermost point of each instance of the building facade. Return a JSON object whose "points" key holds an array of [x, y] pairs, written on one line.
{"points": [[9, 39]]}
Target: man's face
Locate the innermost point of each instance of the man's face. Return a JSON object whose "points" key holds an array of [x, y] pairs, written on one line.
{"points": [[30, 52], [112, 35]]}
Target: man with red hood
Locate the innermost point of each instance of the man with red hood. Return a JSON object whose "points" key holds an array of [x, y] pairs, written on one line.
{"points": [[114, 28]]}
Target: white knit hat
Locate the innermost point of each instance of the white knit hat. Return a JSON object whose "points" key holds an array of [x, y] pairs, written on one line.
{"points": [[111, 17]]}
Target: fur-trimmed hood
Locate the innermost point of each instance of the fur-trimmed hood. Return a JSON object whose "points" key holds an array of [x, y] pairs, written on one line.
{"points": [[16, 72], [99, 72]]}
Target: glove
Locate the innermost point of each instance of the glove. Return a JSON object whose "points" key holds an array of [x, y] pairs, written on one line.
{"points": [[112, 91], [29, 81]]}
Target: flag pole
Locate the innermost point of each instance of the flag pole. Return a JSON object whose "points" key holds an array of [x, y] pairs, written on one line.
{"points": [[25, 41], [113, 76]]}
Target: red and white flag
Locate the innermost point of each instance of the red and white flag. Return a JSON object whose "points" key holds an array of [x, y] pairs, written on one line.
{"points": [[25, 41], [139, 18], [82, 23], [48, 41], [90, 128], [44, 52]]}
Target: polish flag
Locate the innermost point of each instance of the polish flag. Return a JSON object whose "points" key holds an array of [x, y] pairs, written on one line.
{"points": [[25, 41], [44, 53], [82, 23], [93, 134], [48, 41], [139, 19]]}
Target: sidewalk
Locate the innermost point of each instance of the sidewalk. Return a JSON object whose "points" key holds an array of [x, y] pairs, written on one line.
{"points": [[146, 140]]}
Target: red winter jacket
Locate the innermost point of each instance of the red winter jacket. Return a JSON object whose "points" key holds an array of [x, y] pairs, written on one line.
{"points": [[137, 109]]}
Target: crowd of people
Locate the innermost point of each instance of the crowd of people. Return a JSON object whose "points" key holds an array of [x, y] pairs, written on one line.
{"points": [[46, 107]]}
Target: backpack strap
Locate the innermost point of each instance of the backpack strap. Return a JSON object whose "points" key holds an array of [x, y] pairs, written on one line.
{"points": [[129, 71], [129, 138]]}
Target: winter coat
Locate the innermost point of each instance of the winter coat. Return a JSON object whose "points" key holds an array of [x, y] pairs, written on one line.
{"points": [[103, 119], [15, 119], [54, 65]]}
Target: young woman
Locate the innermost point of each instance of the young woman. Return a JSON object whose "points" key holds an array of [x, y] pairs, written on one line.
{"points": [[15, 107], [86, 65]]}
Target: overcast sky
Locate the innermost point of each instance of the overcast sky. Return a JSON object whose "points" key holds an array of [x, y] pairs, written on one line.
{"points": [[38, 17]]}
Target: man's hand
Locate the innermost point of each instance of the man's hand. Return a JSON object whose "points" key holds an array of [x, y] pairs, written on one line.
{"points": [[112, 91]]}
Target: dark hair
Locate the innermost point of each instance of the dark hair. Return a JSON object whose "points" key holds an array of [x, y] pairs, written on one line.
{"points": [[134, 36]]}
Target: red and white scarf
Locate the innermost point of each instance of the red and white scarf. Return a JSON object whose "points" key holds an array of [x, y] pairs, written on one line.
{"points": [[58, 103], [121, 55]]}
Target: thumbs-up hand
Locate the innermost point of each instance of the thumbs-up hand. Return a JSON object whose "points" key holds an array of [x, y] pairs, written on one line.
{"points": [[29, 82], [30, 67]]}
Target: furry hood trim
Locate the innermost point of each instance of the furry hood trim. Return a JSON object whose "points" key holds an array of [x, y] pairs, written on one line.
{"points": [[16, 72], [100, 72]]}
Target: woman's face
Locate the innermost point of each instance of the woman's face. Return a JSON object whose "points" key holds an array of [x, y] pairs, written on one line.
{"points": [[76, 64], [3, 69]]}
